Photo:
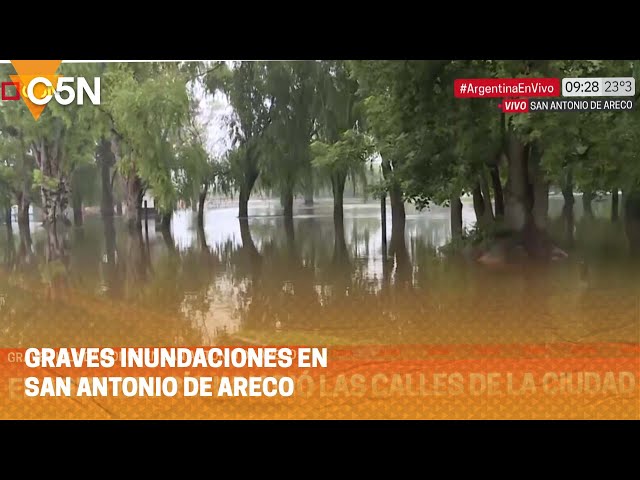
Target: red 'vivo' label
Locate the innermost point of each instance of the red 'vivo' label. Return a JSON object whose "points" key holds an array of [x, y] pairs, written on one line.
{"points": [[520, 105]]}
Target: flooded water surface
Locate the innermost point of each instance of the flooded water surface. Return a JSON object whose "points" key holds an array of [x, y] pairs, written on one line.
{"points": [[263, 281]]}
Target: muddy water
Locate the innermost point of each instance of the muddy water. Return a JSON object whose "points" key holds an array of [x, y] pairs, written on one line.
{"points": [[256, 281]]}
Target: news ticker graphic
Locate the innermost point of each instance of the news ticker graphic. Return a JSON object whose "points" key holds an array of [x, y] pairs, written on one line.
{"points": [[596, 380], [520, 94], [527, 105]]}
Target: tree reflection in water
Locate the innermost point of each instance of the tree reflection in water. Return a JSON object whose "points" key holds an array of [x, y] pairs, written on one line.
{"points": [[314, 280]]}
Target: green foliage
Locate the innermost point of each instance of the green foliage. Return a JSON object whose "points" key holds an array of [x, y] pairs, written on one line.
{"points": [[349, 152], [147, 105], [245, 84]]}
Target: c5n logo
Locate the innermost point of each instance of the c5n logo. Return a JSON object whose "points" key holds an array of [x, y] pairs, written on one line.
{"points": [[36, 82]]}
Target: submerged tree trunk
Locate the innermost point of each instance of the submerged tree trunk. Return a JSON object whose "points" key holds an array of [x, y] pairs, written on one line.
{"points": [[398, 215], [25, 250], [456, 217], [247, 241], [111, 270], [567, 208], [498, 194], [106, 161], [54, 248], [540, 185], [7, 218], [526, 202], [23, 222], [478, 205], [163, 220], [287, 201], [516, 190], [201, 200], [632, 221], [202, 238], [340, 252], [110, 240], [76, 200], [337, 186], [488, 216], [587, 198], [136, 264], [308, 196], [10, 252], [168, 239], [614, 205], [243, 202], [133, 201], [245, 193], [383, 224], [398, 249]]}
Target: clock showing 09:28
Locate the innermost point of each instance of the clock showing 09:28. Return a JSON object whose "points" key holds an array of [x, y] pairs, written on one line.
{"points": [[599, 87]]}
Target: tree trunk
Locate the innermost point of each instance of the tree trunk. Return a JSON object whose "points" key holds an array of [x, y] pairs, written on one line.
{"points": [[164, 220], [614, 205], [7, 218], [587, 197], [287, 200], [49, 207], [337, 186], [456, 218], [308, 197], [632, 221], [249, 247], [398, 216], [110, 240], [133, 201], [497, 190], [24, 252], [106, 160], [245, 193], [77, 209], [202, 238], [340, 255], [478, 205], [23, 223], [398, 248], [168, 239], [243, 202], [10, 253], [567, 208], [23, 209], [383, 223], [486, 198], [136, 263], [516, 189], [111, 269], [540, 190], [53, 246], [201, 200], [119, 209]]}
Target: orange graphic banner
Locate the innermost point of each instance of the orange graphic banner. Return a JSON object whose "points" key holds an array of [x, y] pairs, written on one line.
{"points": [[556, 381]]}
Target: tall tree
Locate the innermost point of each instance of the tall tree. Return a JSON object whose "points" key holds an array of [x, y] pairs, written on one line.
{"points": [[244, 84]]}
